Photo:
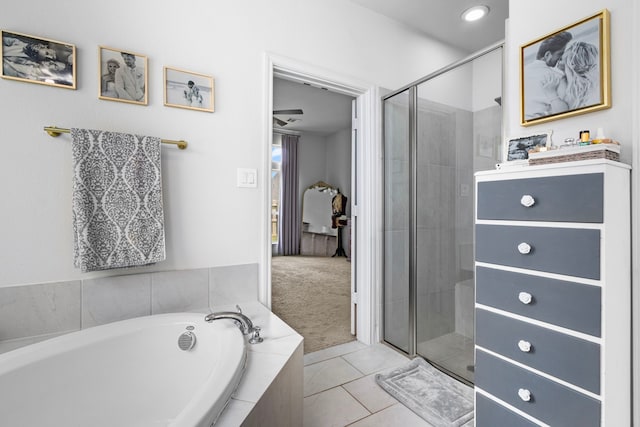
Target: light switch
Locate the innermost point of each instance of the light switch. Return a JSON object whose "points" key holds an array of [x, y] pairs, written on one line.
{"points": [[247, 177]]}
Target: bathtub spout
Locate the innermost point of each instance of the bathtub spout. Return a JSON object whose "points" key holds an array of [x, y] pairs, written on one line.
{"points": [[244, 323]]}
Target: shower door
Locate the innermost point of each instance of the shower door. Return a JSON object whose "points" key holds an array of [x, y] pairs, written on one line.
{"points": [[448, 128]]}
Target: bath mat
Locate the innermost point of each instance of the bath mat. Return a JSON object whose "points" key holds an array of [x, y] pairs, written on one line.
{"points": [[433, 395]]}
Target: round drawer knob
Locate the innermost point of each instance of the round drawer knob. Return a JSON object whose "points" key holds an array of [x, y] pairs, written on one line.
{"points": [[524, 248], [524, 394], [527, 201], [524, 346], [525, 297]]}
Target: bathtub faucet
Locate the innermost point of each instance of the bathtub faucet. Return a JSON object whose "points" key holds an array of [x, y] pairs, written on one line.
{"points": [[244, 323]]}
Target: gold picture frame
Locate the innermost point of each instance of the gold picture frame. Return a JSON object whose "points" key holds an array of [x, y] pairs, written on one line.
{"points": [[567, 72], [186, 89], [122, 76], [38, 60]]}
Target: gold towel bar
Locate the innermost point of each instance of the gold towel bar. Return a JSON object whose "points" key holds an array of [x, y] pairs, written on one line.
{"points": [[55, 131]]}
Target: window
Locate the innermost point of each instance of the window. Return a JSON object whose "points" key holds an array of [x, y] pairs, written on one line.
{"points": [[276, 179]]}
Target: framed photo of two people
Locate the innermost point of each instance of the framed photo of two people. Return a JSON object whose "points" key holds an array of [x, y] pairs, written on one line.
{"points": [[567, 72], [122, 76], [39, 60]]}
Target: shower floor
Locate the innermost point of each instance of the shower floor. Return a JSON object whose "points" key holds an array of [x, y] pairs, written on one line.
{"points": [[453, 352]]}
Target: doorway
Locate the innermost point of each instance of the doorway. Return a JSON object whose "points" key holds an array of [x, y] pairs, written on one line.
{"points": [[311, 184], [366, 188]]}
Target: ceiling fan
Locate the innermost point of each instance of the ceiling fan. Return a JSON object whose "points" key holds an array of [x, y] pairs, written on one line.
{"points": [[282, 123]]}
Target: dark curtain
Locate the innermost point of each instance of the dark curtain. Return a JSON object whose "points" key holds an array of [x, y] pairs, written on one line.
{"points": [[289, 218]]}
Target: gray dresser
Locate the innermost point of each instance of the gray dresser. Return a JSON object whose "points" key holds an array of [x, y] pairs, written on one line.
{"points": [[553, 296]]}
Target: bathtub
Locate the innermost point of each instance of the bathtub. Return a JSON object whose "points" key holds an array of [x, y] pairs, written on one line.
{"points": [[127, 373]]}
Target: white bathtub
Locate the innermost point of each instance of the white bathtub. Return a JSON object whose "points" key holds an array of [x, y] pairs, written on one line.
{"points": [[128, 373]]}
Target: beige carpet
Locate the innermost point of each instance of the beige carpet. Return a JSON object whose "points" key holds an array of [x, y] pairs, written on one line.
{"points": [[312, 295]]}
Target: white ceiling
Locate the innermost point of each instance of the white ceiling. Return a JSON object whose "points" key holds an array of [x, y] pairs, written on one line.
{"points": [[440, 19], [327, 112], [324, 112]]}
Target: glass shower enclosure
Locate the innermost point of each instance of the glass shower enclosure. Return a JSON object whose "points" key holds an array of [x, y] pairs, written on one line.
{"points": [[437, 132]]}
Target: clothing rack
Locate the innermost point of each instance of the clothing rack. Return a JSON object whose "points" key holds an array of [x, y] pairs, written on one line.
{"points": [[56, 131]]}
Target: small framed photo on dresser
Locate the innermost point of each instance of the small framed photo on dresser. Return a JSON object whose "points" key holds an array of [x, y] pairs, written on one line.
{"points": [[517, 148], [39, 60]]}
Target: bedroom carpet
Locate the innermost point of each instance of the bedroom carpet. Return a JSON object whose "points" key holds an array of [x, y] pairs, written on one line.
{"points": [[312, 295]]}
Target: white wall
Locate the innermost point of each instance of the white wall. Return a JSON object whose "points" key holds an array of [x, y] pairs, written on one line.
{"points": [[486, 83], [312, 164], [209, 221], [338, 161]]}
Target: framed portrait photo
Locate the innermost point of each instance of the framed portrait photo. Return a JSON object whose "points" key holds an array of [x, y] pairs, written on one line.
{"points": [[517, 148], [38, 60], [122, 76], [186, 89], [567, 72]]}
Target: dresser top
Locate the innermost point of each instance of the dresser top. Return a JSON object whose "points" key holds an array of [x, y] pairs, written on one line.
{"points": [[559, 168]]}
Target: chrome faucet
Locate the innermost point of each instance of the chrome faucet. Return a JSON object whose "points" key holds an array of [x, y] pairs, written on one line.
{"points": [[243, 322]]}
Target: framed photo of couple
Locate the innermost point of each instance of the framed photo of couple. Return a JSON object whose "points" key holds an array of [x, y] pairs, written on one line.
{"points": [[567, 72], [39, 60], [122, 76]]}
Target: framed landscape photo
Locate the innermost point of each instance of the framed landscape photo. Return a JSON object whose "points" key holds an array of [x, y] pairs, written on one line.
{"points": [[186, 89], [517, 148], [122, 76], [567, 72], [38, 60]]}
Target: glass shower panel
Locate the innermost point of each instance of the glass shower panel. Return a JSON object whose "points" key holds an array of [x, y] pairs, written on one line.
{"points": [[396, 220], [458, 126]]}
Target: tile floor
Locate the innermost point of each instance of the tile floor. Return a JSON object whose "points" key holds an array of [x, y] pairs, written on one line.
{"points": [[340, 388]]}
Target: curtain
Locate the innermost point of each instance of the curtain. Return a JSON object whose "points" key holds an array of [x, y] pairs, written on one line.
{"points": [[289, 218]]}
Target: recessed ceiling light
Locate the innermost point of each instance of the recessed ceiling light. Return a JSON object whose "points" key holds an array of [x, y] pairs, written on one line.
{"points": [[474, 13]]}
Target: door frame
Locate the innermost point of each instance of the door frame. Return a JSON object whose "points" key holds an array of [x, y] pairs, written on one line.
{"points": [[368, 210]]}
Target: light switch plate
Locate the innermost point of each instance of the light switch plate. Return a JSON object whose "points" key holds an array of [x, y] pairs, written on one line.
{"points": [[247, 178]]}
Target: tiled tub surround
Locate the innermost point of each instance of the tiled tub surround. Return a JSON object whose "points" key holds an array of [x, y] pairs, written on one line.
{"points": [[29, 313], [272, 377]]}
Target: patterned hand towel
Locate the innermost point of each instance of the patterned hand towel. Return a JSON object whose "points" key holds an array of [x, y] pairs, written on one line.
{"points": [[118, 220]]}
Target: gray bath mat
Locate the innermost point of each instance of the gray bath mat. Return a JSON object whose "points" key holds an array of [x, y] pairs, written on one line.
{"points": [[433, 395]]}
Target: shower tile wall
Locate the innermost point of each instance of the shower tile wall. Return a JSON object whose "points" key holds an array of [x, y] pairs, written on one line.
{"points": [[445, 161], [39, 311]]}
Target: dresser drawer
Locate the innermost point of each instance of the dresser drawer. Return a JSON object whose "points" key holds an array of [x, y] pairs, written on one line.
{"points": [[570, 305], [491, 414], [568, 358], [550, 402], [571, 198], [574, 252]]}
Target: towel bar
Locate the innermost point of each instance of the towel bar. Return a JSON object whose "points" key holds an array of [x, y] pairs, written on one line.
{"points": [[56, 131]]}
